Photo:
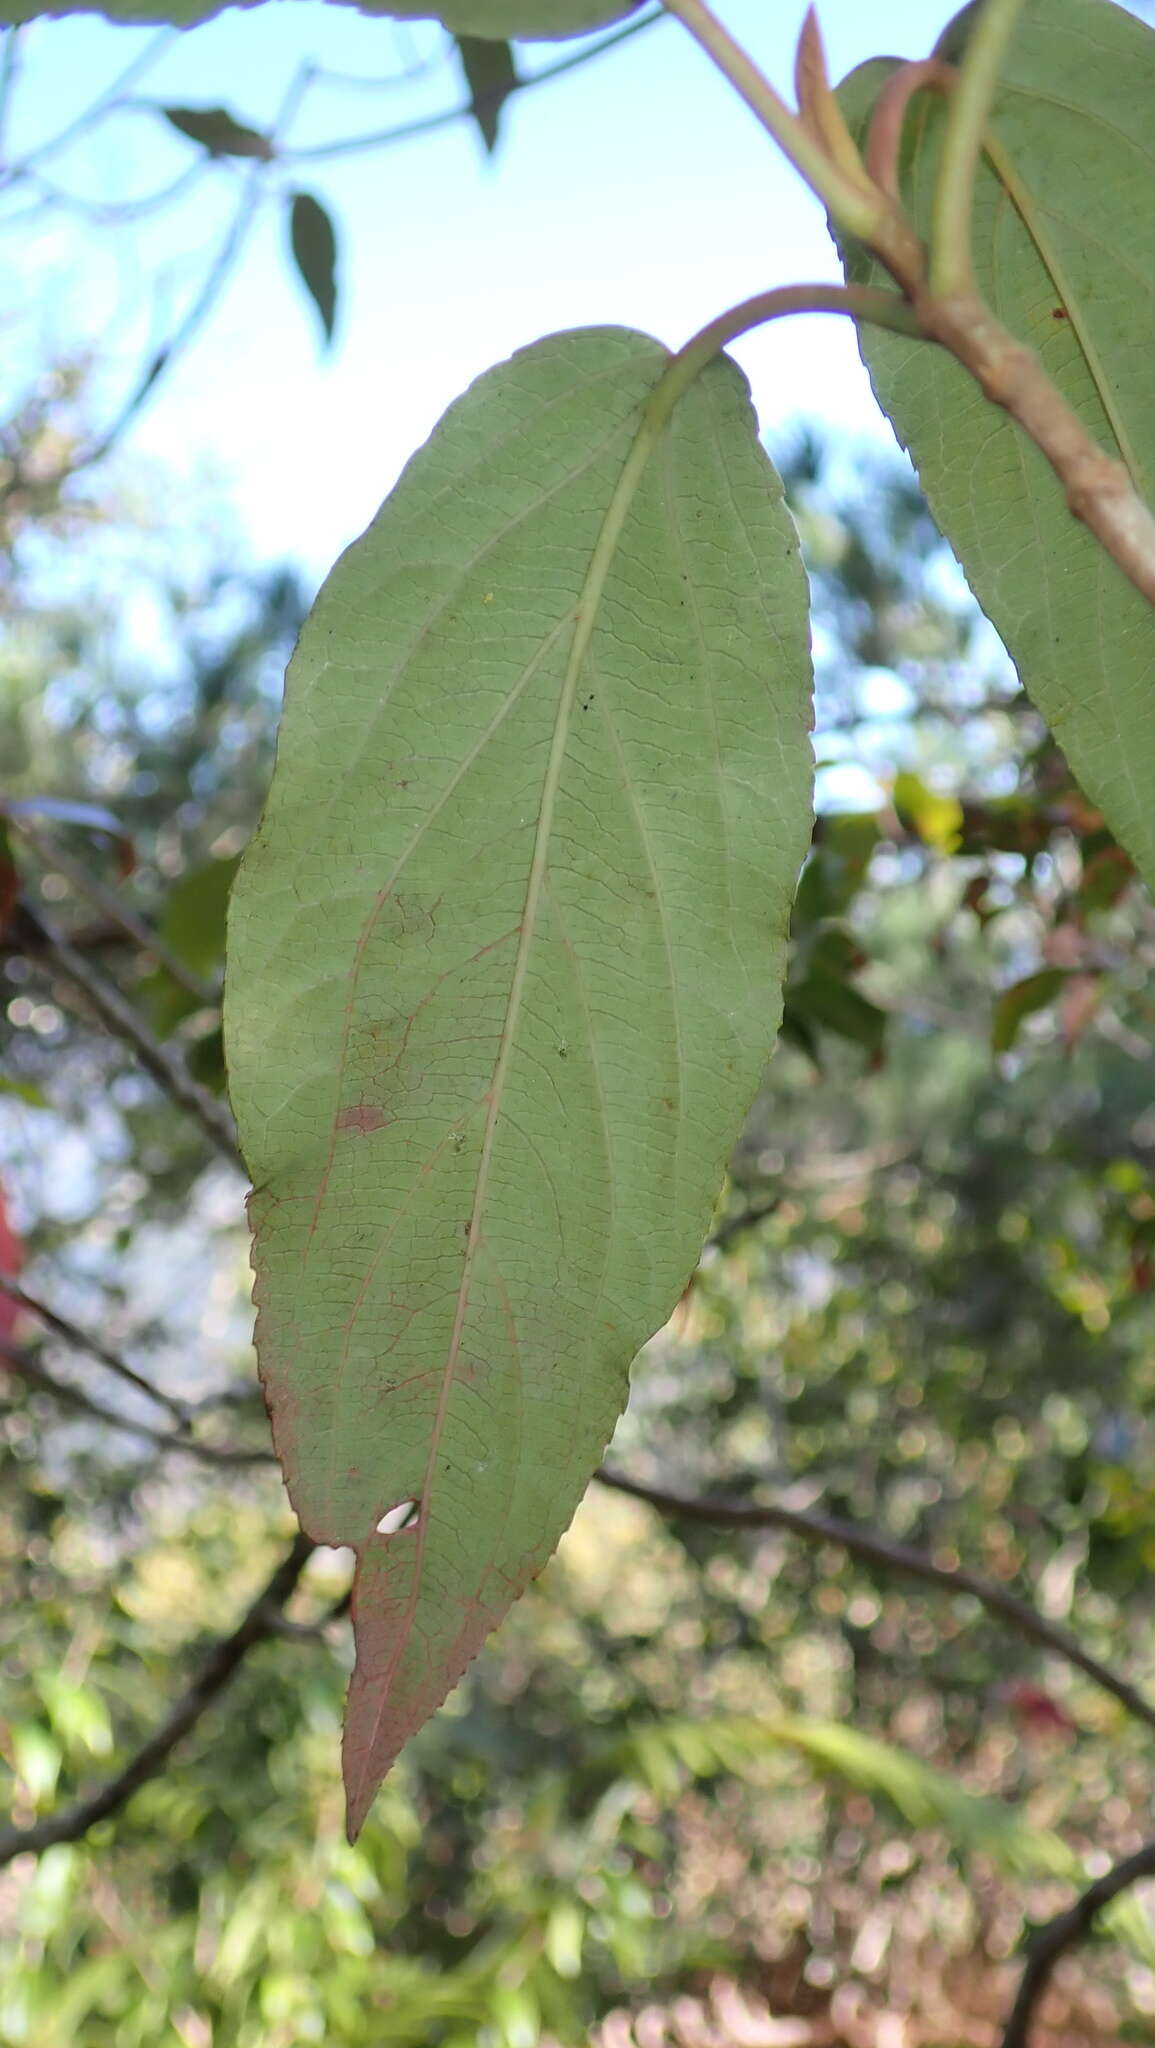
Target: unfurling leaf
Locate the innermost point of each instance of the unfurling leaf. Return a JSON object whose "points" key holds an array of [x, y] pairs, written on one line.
{"points": [[215, 129], [491, 75], [313, 241], [1064, 248], [505, 966]]}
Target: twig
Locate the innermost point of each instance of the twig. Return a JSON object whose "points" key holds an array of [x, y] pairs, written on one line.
{"points": [[115, 1011], [409, 131], [952, 206], [73, 1334], [36, 1375], [1062, 1933], [892, 1556], [218, 1668], [106, 103], [9, 71], [852, 201], [117, 911]]}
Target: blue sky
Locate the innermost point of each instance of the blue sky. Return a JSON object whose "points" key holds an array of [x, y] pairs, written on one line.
{"points": [[636, 191]]}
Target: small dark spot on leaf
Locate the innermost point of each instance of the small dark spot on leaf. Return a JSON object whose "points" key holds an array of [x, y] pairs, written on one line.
{"points": [[1060, 313]]}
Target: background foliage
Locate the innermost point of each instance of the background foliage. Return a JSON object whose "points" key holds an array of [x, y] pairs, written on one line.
{"points": [[706, 1784]]}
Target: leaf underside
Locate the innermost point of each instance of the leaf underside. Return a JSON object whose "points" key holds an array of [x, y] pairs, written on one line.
{"points": [[1065, 253], [531, 20], [506, 957]]}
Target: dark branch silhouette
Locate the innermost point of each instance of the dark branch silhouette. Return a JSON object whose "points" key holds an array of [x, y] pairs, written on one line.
{"points": [[1064, 1932], [891, 1556], [257, 1625]]}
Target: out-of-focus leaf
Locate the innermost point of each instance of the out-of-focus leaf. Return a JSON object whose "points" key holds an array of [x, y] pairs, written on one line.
{"points": [[491, 75], [535, 20], [1020, 1001], [935, 819], [505, 956], [217, 131], [1064, 245], [313, 241]]}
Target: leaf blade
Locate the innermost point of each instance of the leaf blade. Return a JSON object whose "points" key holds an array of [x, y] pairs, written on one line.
{"points": [[313, 244], [558, 887], [1064, 244]]}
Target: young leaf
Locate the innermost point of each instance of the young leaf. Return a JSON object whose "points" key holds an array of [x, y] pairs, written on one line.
{"points": [[313, 241], [491, 75], [215, 129], [1064, 246], [505, 965]]}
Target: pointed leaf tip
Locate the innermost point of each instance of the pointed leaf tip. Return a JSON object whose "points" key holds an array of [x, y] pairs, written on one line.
{"points": [[491, 75], [313, 241]]}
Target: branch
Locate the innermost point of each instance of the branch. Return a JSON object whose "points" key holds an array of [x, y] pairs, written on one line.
{"points": [[73, 1334], [1062, 1933], [36, 1375], [118, 1014], [409, 131], [119, 913], [218, 1669], [889, 1555]]}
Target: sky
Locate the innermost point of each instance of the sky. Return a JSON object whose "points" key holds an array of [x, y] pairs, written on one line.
{"points": [[635, 191]]}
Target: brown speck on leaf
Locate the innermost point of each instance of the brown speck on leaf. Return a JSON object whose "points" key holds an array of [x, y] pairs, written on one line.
{"points": [[361, 1117]]}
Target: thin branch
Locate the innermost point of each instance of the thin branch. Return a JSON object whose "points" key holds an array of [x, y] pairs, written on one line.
{"points": [[429, 124], [107, 102], [80, 1339], [891, 1556], [36, 1375], [952, 207], [1063, 1933], [9, 72], [117, 911], [218, 1669], [118, 1014]]}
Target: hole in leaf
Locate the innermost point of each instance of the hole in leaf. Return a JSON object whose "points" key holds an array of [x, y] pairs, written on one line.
{"points": [[403, 1516]]}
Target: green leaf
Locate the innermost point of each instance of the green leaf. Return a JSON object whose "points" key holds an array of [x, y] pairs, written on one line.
{"points": [[532, 20], [1020, 1001], [313, 241], [1064, 242], [660, 1752], [491, 75], [935, 819], [215, 129], [505, 960]]}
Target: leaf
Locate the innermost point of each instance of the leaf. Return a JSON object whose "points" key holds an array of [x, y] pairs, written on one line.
{"points": [[1020, 1001], [314, 246], [932, 817], [1064, 240], [505, 960], [531, 20], [215, 129], [491, 75], [975, 1824]]}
